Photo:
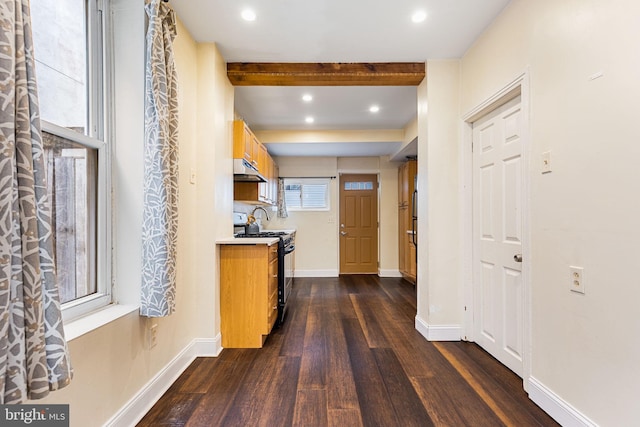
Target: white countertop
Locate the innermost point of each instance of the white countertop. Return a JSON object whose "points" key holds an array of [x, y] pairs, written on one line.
{"points": [[247, 241]]}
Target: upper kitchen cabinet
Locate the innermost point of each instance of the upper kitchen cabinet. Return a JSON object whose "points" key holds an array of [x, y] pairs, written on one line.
{"points": [[247, 146]]}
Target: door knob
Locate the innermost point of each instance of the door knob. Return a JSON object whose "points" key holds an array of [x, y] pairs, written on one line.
{"points": [[517, 258], [343, 233]]}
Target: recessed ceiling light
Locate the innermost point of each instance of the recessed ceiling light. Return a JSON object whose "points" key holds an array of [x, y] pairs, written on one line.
{"points": [[307, 98], [309, 120], [419, 16], [248, 15], [374, 109]]}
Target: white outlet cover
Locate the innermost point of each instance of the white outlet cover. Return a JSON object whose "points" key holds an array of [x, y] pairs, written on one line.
{"points": [[576, 279]]}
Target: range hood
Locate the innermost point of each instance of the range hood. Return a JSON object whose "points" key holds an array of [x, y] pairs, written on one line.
{"points": [[245, 171]]}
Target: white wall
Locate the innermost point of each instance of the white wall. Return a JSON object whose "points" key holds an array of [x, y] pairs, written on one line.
{"points": [[585, 348], [113, 363]]}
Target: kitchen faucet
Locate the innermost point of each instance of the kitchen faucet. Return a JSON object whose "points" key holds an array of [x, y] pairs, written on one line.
{"points": [[263, 210]]}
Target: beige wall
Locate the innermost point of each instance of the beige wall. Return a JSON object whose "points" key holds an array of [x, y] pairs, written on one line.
{"points": [[113, 363], [439, 262], [585, 348], [317, 244]]}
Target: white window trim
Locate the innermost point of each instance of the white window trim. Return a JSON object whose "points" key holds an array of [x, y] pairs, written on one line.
{"points": [[102, 297]]}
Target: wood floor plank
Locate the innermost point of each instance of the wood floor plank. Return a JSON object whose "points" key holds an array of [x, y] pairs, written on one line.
{"points": [[172, 410], [294, 328], [313, 367], [348, 355], [369, 321], [225, 382], [310, 408], [376, 408], [441, 409], [341, 386], [404, 398], [507, 380], [344, 417], [486, 385]]}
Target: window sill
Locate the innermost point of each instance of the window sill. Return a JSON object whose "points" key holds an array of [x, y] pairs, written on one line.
{"points": [[85, 324]]}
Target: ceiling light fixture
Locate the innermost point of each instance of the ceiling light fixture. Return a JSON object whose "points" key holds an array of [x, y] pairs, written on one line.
{"points": [[248, 15], [419, 16], [307, 98], [309, 120], [374, 109]]}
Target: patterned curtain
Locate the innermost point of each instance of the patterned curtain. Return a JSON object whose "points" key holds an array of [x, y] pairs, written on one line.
{"points": [[34, 358], [282, 205], [160, 215]]}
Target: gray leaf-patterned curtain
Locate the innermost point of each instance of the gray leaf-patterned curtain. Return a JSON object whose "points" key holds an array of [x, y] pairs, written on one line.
{"points": [[160, 214], [34, 358], [282, 204]]}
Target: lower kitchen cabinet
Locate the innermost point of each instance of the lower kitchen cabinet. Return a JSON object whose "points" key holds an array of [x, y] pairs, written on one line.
{"points": [[248, 293]]}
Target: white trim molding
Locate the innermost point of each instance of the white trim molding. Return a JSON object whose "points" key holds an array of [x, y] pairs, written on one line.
{"points": [[316, 273], [438, 332], [136, 408], [389, 273], [556, 407]]}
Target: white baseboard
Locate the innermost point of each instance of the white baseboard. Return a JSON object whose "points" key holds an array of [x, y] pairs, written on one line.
{"points": [[438, 332], [316, 273], [389, 273], [557, 408], [133, 411]]}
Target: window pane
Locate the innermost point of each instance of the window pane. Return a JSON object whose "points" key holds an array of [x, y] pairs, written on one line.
{"points": [[314, 196], [292, 195], [60, 43], [72, 181]]}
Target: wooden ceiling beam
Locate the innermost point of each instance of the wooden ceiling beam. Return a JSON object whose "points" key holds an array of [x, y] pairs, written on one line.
{"points": [[326, 74]]}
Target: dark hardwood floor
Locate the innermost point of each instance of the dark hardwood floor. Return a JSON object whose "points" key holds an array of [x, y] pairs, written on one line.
{"points": [[348, 355]]}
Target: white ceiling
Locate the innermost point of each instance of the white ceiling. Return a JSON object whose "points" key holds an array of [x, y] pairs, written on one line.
{"points": [[334, 31]]}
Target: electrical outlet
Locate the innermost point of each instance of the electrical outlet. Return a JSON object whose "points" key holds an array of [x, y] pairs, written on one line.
{"points": [[577, 279], [153, 335]]}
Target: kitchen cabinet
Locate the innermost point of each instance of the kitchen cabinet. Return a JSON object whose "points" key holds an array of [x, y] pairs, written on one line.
{"points": [[259, 192], [243, 142], [248, 293], [406, 249], [247, 146]]}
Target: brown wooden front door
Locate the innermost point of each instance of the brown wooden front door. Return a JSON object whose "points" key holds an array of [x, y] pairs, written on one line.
{"points": [[358, 223]]}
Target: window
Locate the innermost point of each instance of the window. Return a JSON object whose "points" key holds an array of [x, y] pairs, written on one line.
{"points": [[69, 52], [307, 194], [351, 186]]}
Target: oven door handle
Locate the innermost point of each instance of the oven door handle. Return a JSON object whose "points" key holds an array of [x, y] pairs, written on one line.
{"points": [[289, 249]]}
